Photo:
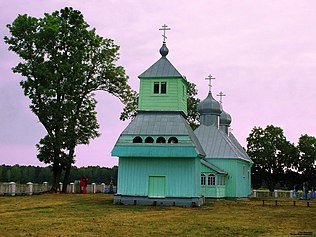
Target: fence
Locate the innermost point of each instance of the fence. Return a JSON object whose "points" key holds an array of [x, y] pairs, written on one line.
{"points": [[13, 189], [276, 194]]}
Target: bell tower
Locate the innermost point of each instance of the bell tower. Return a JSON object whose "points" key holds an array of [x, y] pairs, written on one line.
{"points": [[162, 87]]}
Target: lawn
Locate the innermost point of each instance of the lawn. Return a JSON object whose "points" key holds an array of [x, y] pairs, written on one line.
{"points": [[95, 215]]}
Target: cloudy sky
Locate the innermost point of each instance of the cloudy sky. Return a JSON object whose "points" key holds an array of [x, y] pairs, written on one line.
{"points": [[262, 53]]}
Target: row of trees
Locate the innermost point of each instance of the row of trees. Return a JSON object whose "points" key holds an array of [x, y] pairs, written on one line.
{"points": [[36, 174], [278, 162]]}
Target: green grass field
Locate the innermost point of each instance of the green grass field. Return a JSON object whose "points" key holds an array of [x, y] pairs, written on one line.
{"points": [[95, 215]]}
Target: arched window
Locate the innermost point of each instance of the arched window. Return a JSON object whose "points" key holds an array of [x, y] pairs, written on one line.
{"points": [[149, 140], [211, 179], [161, 140], [203, 179], [173, 140], [137, 140]]}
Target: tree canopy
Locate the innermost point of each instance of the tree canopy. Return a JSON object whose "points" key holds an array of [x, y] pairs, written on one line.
{"points": [[273, 155], [307, 159], [63, 64]]}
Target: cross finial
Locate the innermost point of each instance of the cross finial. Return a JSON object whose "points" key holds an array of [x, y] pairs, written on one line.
{"points": [[164, 28], [210, 78], [221, 94]]}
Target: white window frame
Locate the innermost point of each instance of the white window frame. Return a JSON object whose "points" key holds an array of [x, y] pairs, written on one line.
{"points": [[203, 179], [211, 180]]}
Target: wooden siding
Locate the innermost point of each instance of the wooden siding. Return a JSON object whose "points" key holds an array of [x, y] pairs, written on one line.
{"points": [[213, 191], [156, 150], [181, 179], [173, 100], [236, 184]]}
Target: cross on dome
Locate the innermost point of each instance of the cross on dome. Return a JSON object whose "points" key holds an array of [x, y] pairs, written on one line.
{"points": [[221, 94], [210, 78], [164, 28]]}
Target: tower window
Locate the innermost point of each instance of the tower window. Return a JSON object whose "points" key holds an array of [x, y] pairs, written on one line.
{"points": [[160, 87], [149, 140], [156, 87], [163, 87], [211, 179], [172, 140], [161, 140], [137, 140], [203, 179]]}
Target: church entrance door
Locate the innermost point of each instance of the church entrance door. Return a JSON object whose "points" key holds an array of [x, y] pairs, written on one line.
{"points": [[157, 186]]}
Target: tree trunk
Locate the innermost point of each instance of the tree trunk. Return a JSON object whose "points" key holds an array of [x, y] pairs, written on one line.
{"points": [[67, 168], [66, 178], [57, 169]]}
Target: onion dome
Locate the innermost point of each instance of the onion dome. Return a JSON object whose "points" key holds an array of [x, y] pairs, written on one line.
{"points": [[164, 50], [209, 106], [225, 119]]}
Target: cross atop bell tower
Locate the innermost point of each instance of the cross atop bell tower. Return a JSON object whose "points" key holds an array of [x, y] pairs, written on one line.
{"points": [[210, 78], [164, 28]]}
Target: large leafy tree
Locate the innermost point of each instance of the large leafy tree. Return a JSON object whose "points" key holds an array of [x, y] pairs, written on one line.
{"points": [[307, 160], [273, 155], [64, 63], [193, 119]]}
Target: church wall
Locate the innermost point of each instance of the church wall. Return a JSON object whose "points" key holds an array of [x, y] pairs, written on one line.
{"points": [[229, 165], [237, 185], [181, 179], [171, 101], [212, 191], [244, 183]]}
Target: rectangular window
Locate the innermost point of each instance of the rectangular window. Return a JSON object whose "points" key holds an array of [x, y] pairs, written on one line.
{"points": [[221, 180], [156, 87], [244, 171], [163, 88]]}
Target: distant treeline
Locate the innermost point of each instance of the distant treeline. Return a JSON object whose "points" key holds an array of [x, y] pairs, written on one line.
{"points": [[37, 174]]}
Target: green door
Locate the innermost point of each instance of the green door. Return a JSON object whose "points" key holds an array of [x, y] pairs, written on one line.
{"points": [[157, 186]]}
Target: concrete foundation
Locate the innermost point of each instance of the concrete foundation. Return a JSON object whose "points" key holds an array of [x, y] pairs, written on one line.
{"points": [[168, 201]]}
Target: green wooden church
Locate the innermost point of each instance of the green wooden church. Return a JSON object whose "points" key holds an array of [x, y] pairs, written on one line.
{"points": [[162, 161]]}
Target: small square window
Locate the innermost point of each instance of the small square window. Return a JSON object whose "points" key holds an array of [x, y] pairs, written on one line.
{"points": [[163, 88], [156, 87]]}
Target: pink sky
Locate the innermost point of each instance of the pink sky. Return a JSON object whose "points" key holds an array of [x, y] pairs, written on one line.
{"points": [[262, 53]]}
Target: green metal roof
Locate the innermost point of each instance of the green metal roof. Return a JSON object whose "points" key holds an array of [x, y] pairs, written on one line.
{"points": [[162, 68]]}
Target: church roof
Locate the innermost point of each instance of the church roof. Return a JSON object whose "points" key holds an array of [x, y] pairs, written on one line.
{"points": [[162, 68], [217, 144], [213, 167], [237, 144], [162, 124]]}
